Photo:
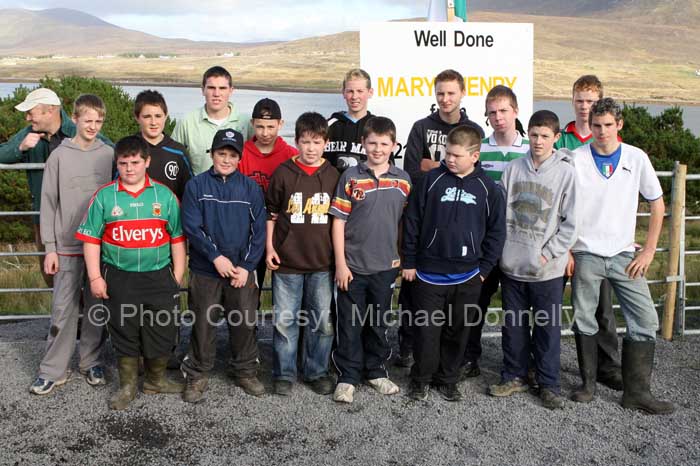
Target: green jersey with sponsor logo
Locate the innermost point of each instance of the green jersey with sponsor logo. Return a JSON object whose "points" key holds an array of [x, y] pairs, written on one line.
{"points": [[495, 158], [135, 230]]}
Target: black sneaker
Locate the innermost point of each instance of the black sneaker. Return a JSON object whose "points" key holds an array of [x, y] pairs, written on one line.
{"points": [[551, 400], [449, 392], [323, 385], [282, 387], [418, 391], [470, 369]]}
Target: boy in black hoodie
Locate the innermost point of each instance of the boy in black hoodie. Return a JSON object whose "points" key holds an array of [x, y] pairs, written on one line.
{"points": [[454, 231], [300, 254], [344, 147], [425, 148]]}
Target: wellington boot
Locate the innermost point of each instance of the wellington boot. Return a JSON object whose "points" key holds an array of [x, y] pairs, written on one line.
{"points": [[587, 352], [637, 365], [128, 378], [155, 381]]}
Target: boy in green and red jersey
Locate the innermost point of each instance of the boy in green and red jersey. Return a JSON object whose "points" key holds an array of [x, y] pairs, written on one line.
{"points": [[133, 227]]}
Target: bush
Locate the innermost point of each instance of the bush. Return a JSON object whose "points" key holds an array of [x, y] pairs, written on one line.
{"points": [[665, 139], [14, 192]]}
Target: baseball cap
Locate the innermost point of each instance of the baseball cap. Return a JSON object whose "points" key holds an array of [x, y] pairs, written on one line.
{"points": [[38, 96], [227, 137], [271, 108]]}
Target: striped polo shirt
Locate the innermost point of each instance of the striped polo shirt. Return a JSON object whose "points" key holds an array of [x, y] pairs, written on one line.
{"points": [[495, 158]]}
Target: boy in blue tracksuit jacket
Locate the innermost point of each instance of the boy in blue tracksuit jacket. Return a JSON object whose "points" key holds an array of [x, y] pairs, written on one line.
{"points": [[223, 216], [454, 231]]}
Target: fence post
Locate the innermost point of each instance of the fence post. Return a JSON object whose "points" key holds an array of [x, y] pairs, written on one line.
{"points": [[677, 209]]}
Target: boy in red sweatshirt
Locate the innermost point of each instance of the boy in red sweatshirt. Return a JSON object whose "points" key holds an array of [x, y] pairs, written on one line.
{"points": [[264, 152]]}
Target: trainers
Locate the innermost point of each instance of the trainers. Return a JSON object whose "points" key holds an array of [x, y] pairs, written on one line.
{"points": [[344, 393], [404, 359], [250, 385], [418, 391], [551, 400], [449, 392], [323, 385], [44, 386], [282, 387], [384, 386], [194, 389], [470, 369], [507, 388], [95, 376]]}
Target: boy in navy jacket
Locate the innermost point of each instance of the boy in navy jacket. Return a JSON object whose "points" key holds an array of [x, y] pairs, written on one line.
{"points": [[454, 230], [223, 216]]}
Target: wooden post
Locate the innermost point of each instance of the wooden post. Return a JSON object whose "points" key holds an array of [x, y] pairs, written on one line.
{"points": [[450, 10], [677, 209]]}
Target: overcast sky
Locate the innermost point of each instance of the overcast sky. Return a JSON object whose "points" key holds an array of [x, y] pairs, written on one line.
{"points": [[238, 20]]}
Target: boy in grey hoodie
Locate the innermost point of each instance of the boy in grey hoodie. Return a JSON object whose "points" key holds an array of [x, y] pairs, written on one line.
{"points": [[73, 172], [540, 230]]}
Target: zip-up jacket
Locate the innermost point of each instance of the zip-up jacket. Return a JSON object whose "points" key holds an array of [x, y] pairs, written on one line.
{"points": [[223, 216], [344, 147], [453, 224], [427, 140], [299, 204]]}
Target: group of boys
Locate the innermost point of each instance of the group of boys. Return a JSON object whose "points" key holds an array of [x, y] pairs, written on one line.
{"points": [[475, 212]]}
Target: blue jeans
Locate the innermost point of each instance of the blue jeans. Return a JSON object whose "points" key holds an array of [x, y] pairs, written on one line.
{"points": [[633, 295], [544, 298], [289, 290]]}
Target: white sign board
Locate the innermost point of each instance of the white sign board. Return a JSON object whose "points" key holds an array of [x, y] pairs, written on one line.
{"points": [[404, 58]]}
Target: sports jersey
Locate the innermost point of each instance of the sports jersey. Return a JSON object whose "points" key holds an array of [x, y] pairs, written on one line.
{"points": [[495, 158], [135, 230], [607, 163], [170, 164], [570, 139]]}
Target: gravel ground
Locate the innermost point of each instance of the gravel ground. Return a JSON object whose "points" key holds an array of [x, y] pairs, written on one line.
{"points": [[74, 425]]}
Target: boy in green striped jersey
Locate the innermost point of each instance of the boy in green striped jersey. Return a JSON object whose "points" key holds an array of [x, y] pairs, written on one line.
{"points": [[505, 144], [132, 227]]}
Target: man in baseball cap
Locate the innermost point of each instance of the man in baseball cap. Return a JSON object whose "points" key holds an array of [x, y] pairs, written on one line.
{"points": [[49, 125]]}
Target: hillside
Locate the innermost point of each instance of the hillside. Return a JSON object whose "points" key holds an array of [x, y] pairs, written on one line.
{"points": [[61, 31], [641, 62]]}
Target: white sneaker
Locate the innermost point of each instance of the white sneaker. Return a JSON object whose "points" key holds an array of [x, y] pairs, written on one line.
{"points": [[344, 393], [384, 386]]}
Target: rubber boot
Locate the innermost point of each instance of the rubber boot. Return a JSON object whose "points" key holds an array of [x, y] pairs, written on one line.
{"points": [[128, 377], [155, 381], [587, 352], [637, 364], [609, 372]]}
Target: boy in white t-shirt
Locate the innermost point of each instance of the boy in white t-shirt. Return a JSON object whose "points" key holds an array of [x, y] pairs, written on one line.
{"points": [[613, 174]]}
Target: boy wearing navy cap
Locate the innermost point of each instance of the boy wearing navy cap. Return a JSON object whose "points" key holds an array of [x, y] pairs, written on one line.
{"points": [[223, 217]]}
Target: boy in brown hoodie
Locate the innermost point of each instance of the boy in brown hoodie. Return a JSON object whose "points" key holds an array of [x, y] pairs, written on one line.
{"points": [[300, 254]]}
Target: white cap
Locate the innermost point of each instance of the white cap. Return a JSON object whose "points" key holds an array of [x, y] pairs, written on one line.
{"points": [[38, 96]]}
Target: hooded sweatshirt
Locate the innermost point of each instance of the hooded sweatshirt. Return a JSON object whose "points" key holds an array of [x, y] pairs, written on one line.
{"points": [[300, 204], [453, 224], [258, 166], [344, 147], [71, 176], [540, 217], [427, 140]]}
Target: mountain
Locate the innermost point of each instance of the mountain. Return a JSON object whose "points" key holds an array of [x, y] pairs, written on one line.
{"points": [[669, 12], [61, 31]]}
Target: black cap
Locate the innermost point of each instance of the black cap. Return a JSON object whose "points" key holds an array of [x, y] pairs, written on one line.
{"points": [[267, 109], [228, 138]]}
